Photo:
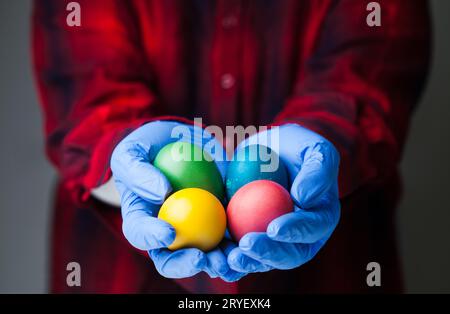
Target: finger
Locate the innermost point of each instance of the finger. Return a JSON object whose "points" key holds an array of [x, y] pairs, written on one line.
{"points": [[147, 233], [216, 263], [130, 164], [217, 266], [318, 172], [232, 275], [178, 264], [242, 263], [131, 161], [140, 228], [305, 226], [279, 255]]}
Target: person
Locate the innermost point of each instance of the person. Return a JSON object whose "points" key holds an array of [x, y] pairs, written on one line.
{"points": [[341, 91]]}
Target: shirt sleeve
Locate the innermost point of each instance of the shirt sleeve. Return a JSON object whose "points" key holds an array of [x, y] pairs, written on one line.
{"points": [[94, 86], [358, 85]]}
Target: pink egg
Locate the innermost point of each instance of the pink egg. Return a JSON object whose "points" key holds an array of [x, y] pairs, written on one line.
{"points": [[255, 205]]}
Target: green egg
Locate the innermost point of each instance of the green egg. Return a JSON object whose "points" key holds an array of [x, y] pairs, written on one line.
{"points": [[255, 162], [186, 165]]}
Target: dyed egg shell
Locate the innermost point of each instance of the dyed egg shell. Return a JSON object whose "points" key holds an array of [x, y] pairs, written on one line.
{"points": [[198, 217], [185, 166], [255, 205], [249, 164]]}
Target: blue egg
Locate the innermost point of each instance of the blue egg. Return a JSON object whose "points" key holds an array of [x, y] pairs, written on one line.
{"points": [[255, 162]]}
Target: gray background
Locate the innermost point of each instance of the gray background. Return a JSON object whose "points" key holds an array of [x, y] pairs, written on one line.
{"points": [[27, 177]]}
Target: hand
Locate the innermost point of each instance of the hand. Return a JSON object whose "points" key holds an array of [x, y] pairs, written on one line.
{"points": [[293, 239], [143, 189]]}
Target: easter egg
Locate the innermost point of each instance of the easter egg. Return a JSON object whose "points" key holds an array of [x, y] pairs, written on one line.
{"points": [[186, 165], [255, 205], [254, 162], [198, 217]]}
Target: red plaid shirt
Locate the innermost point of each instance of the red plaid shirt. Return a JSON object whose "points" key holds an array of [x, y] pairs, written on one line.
{"points": [[316, 63]]}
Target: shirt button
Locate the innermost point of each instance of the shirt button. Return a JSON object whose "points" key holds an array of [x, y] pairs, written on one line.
{"points": [[229, 21], [227, 81]]}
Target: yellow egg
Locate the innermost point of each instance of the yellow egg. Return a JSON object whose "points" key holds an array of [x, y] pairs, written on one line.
{"points": [[198, 217]]}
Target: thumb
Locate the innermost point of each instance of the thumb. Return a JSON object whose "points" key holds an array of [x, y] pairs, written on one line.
{"points": [[140, 227], [130, 164], [318, 172]]}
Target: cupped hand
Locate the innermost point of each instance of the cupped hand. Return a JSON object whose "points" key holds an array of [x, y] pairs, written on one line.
{"points": [[143, 189], [295, 238]]}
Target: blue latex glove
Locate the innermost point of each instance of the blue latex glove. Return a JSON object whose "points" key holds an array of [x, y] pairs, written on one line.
{"points": [[293, 239], [143, 189]]}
